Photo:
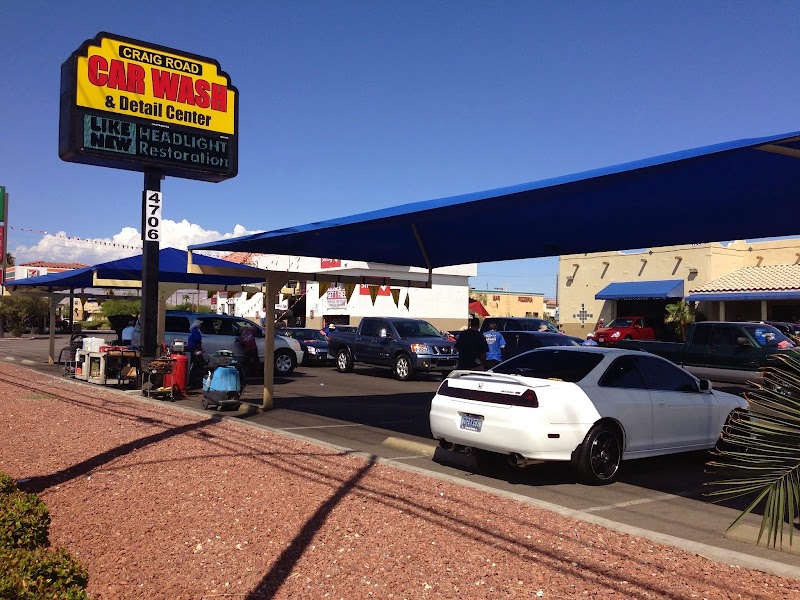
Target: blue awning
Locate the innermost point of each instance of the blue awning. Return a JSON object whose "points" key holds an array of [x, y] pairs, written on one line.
{"points": [[631, 290], [748, 295]]}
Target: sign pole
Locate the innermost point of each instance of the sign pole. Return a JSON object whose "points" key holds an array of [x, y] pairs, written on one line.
{"points": [[4, 250], [151, 236]]}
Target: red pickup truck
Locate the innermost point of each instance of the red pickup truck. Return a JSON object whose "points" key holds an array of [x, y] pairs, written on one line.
{"points": [[623, 328]]}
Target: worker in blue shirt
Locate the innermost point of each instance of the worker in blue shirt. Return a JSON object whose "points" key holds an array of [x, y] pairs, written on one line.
{"points": [[195, 349], [496, 343]]}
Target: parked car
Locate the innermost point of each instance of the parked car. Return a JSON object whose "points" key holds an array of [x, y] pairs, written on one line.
{"points": [[313, 342], [785, 327], [346, 328], [623, 328], [220, 332], [517, 324], [591, 406], [405, 345], [518, 342], [731, 352]]}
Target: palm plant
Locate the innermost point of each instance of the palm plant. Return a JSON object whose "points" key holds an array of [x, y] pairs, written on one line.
{"points": [[759, 452], [680, 314]]}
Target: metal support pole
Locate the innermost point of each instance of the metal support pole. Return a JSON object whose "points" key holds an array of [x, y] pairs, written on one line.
{"points": [[269, 344], [52, 331], [150, 268]]}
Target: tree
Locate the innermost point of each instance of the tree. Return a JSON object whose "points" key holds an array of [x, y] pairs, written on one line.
{"points": [[20, 311], [680, 314], [120, 306], [10, 259], [759, 452]]}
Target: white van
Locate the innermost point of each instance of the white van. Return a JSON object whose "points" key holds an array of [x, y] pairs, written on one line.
{"points": [[220, 332]]}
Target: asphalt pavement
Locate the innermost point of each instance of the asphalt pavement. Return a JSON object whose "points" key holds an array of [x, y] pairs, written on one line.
{"points": [[368, 411]]}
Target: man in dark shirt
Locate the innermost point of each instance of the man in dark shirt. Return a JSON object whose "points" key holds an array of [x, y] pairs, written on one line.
{"points": [[472, 347]]}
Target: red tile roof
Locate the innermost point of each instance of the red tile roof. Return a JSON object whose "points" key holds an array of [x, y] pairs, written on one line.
{"points": [[242, 258], [53, 265], [755, 279]]}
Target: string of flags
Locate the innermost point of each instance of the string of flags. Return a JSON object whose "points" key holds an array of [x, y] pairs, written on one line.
{"points": [[374, 292], [75, 238]]}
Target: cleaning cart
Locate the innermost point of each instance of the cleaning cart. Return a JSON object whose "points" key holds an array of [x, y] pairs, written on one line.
{"points": [[223, 383]]}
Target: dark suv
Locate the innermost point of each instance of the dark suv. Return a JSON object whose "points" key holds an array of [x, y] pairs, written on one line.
{"points": [[517, 324]]}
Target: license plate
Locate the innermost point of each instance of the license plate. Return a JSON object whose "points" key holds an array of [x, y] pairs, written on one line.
{"points": [[471, 423], [602, 339]]}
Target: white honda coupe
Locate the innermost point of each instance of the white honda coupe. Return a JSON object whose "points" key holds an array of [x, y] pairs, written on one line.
{"points": [[594, 407]]}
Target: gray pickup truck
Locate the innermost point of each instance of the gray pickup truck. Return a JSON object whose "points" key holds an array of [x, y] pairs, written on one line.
{"points": [[722, 351], [406, 346]]}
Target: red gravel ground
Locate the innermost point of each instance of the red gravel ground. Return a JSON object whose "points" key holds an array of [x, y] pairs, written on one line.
{"points": [[159, 503]]}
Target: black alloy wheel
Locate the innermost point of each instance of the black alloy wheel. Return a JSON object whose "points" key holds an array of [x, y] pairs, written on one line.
{"points": [[600, 456]]}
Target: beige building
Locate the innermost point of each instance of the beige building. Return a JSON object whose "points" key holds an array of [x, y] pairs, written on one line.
{"points": [[500, 303], [735, 281]]}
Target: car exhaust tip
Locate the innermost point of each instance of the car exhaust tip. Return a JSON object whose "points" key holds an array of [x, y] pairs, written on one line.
{"points": [[445, 445], [517, 460]]}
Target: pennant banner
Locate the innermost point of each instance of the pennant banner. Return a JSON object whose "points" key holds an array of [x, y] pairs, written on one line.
{"points": [[72, 238], [396, 296]]}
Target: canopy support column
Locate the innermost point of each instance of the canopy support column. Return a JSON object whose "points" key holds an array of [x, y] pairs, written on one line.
{"points": [[71, 311], [271, 284], [51, 359]]}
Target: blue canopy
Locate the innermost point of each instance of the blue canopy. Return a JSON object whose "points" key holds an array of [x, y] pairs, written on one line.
{"points": [[172, 269], [735, 190], [630, 290]]}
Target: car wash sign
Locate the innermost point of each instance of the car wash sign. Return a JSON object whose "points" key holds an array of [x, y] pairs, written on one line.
{"points": [[131, 105]]}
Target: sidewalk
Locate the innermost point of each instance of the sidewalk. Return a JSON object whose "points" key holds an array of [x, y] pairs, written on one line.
{"points": [[160, 502]]}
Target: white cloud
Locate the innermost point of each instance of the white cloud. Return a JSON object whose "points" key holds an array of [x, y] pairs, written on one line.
{"points": [[60, 247]]}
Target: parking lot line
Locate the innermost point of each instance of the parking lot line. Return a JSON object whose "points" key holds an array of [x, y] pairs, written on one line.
{"points": [[659, 498], [319, 427]]}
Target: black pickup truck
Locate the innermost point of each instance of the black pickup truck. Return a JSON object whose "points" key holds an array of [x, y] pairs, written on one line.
{"points": [[405, 345], [722, 351]]}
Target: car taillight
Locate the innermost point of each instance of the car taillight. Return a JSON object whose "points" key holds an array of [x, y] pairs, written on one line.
{"points": [[527, 399]]}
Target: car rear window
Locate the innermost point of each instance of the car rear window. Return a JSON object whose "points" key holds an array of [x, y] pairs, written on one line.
{"points": [[176, 324], [551, 364]]}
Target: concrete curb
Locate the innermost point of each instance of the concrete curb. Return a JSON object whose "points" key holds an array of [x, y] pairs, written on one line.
{"points": [[749, 535], [410, 446]]}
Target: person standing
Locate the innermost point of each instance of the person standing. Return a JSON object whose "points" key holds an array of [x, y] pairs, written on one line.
{"points": [[195, 349], [472, 347], [248, 340], [496, 342], [127, 333], [136, 334]]}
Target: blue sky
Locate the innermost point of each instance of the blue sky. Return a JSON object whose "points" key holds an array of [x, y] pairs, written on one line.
{"points": [[347, 107]]}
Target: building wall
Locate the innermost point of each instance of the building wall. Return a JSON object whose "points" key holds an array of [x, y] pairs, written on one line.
{"points": [[444, 304], [581, 276], [501, 303]]}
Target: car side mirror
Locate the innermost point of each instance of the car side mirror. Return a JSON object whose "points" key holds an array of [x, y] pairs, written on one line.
{"points": [[743, 341], [705, 385]]}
